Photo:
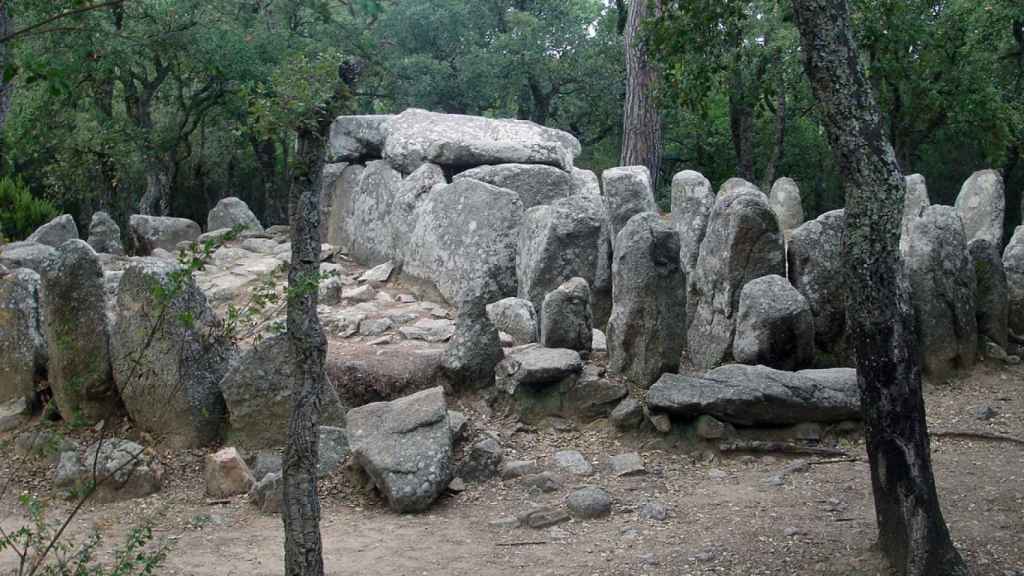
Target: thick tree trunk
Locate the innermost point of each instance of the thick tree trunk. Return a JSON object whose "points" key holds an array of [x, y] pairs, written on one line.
{"points": [[160, 174], [641, 123], [912, 532]]}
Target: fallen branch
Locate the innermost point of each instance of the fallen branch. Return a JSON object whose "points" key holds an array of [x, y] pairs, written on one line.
{"points": [[762, 447], [522, 543], [852, 459], [968, 435]]}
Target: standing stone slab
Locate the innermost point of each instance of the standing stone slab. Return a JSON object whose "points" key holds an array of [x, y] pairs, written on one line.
{"points": [[566, 321], [151, 232], [77, 339], [982, 206], [474, 350], [22, 346], [105, 235], [339, 223], [55, 232], [172, 386], [258, 393], [647, 328], [586, 182], [458, 141], [774, 326], [943, 292], [405, 446], [357, 137], [372, 233], [515, 317], [465, 240], [231, 212], [627, 192], [914, 203], [692, 200], [328, 180], [785, 202], [412, 192], [1013, 264], [743, 242], [816, 270], [536, 184], [992, 296]]}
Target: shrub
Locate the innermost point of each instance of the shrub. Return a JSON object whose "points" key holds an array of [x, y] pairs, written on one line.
{"points": [[21, 212]]}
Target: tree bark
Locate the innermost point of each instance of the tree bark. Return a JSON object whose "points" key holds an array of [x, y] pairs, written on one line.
{"points": [[6, 88], [912, 532], [741, 124], [641, 122], [779, 145]]}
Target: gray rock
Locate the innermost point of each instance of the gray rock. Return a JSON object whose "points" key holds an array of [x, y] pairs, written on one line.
{"points": [[413, 191], [914, 203], [785, 202], [260, 245], [1013, 265], [131, 471], [380, 273], [566, 320], [482, 461], [268, 494], [593, 396], [992, 294], [660, 421], [473, 351], [147, 233], [429, 330], [516, 317], [232, 212], [364, 293], [774, 325], [646, 331], [572, 461], [357, 137], [342, 203], [375, 326], [511, 470], [465, 240], [373, 238], [692, 200], [43, 443], [22, 345], [630, 464], [258, 393], [589, 502], [13, 413], [31, 255], [985, 413], [628, 415], [170, 355], [586, 182], [743, 242], [544, 482], [459, 424], [816, 271], [758, 395], [74, 322], [534, 365], [536, 184], [366, 373], [55, 232], [981, 206], [334, 449], [417, 136], [943, 289], [328, 182], [710, 428], [655, 511], [627, 192], [543, 517], [227, 474], [405, 447], [599, 342], [266, 462], [105, 234]]}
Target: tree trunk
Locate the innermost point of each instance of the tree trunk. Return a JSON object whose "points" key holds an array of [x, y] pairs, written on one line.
{"points": [[912, 532], [641, 123], [741, 123], [6, 88], [159, 182], [780, 140]]}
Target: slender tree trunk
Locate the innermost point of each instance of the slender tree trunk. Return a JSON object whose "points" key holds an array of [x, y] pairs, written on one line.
{"points": [[641, 123], [780, 140], [741, 123], [912, 531]]}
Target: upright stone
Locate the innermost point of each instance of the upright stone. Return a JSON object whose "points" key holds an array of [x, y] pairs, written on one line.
{"points": [[647, 328], [170, 354], [105, 234], [328, 181], [412, 192], [517, 318], [785, 202], [1013, 264], [474, 350], [536, 184], [943, 292], [231, 212], [22, 345], [982, 206], [692, 200], [151, 232], [566, 320], [587, 183], [372, 239], [914, 203], [992, 297], [339, 223], [774, 326], [55, 232], [77, 338], [743, 242], [627, 192]]}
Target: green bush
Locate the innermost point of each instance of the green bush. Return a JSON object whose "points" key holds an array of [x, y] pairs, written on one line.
{"points": [[21, 212]]}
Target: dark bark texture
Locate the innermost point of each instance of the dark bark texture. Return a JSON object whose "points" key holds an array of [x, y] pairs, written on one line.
{"points": [[912, 531], [641, 122]]}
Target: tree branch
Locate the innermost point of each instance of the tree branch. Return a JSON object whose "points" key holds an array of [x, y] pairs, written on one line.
{"points": [[60, 16]]}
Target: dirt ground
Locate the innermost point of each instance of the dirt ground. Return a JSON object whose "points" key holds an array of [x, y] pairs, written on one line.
{"points": [[726, 516]]}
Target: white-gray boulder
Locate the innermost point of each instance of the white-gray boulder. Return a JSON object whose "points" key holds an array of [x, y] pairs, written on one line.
{"points": [[914, 202], [786, 203], [147, 233], [816, 270], [55, 232], [692, 201], [774, 326], [358, 137], [566, 319], [22, 345], [232, 212], [31, 255], [1013, 264], [982, 206], [515, 317], [627, 192], [105, 235]]}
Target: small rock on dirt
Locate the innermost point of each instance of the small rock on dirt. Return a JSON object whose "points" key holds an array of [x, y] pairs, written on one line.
{"points": [[379, 273], [630, 464], [519, 468], [543, 517], [589, 502], [574, 462], [652, 510], [227, 474]]}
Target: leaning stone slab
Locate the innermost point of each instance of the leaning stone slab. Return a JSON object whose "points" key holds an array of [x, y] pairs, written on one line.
{"points": [[692, 200], [536, 184], [405, 447], [55, 232], [148, 233], [567, 321], [992, 296], [774, 326], [342, 203]]}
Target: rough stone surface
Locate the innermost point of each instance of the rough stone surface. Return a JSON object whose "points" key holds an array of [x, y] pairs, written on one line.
{"points": [[629, 464], [646, 331], [474, 349], [515, 317], [943, 289], [132, 471], [589, 502], [774, 325], [482, 461], [587, 183], [914, 203], [992, 294], [982, 207], [785, 202], [373, 238], [147, 233], [692, 200], [1013, 264], [22, 345], [31, 255], [512, 469], [566, 321], [227, 474], [364, 374], [231, 212], [536, 184], [268, 494], [628, 415], [465, 240], [743, 242], [357, 137], [55, 232], [453, 140], [816, 271], [593, 395], [413, 191], [13, 413], [572, 461], [758, 395], [543, 517], [334, 449], [534, 365], [627, 192], [342, 202], [105, 234], [405, 447], [74, 322], [258, 394], [172, 386]]}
